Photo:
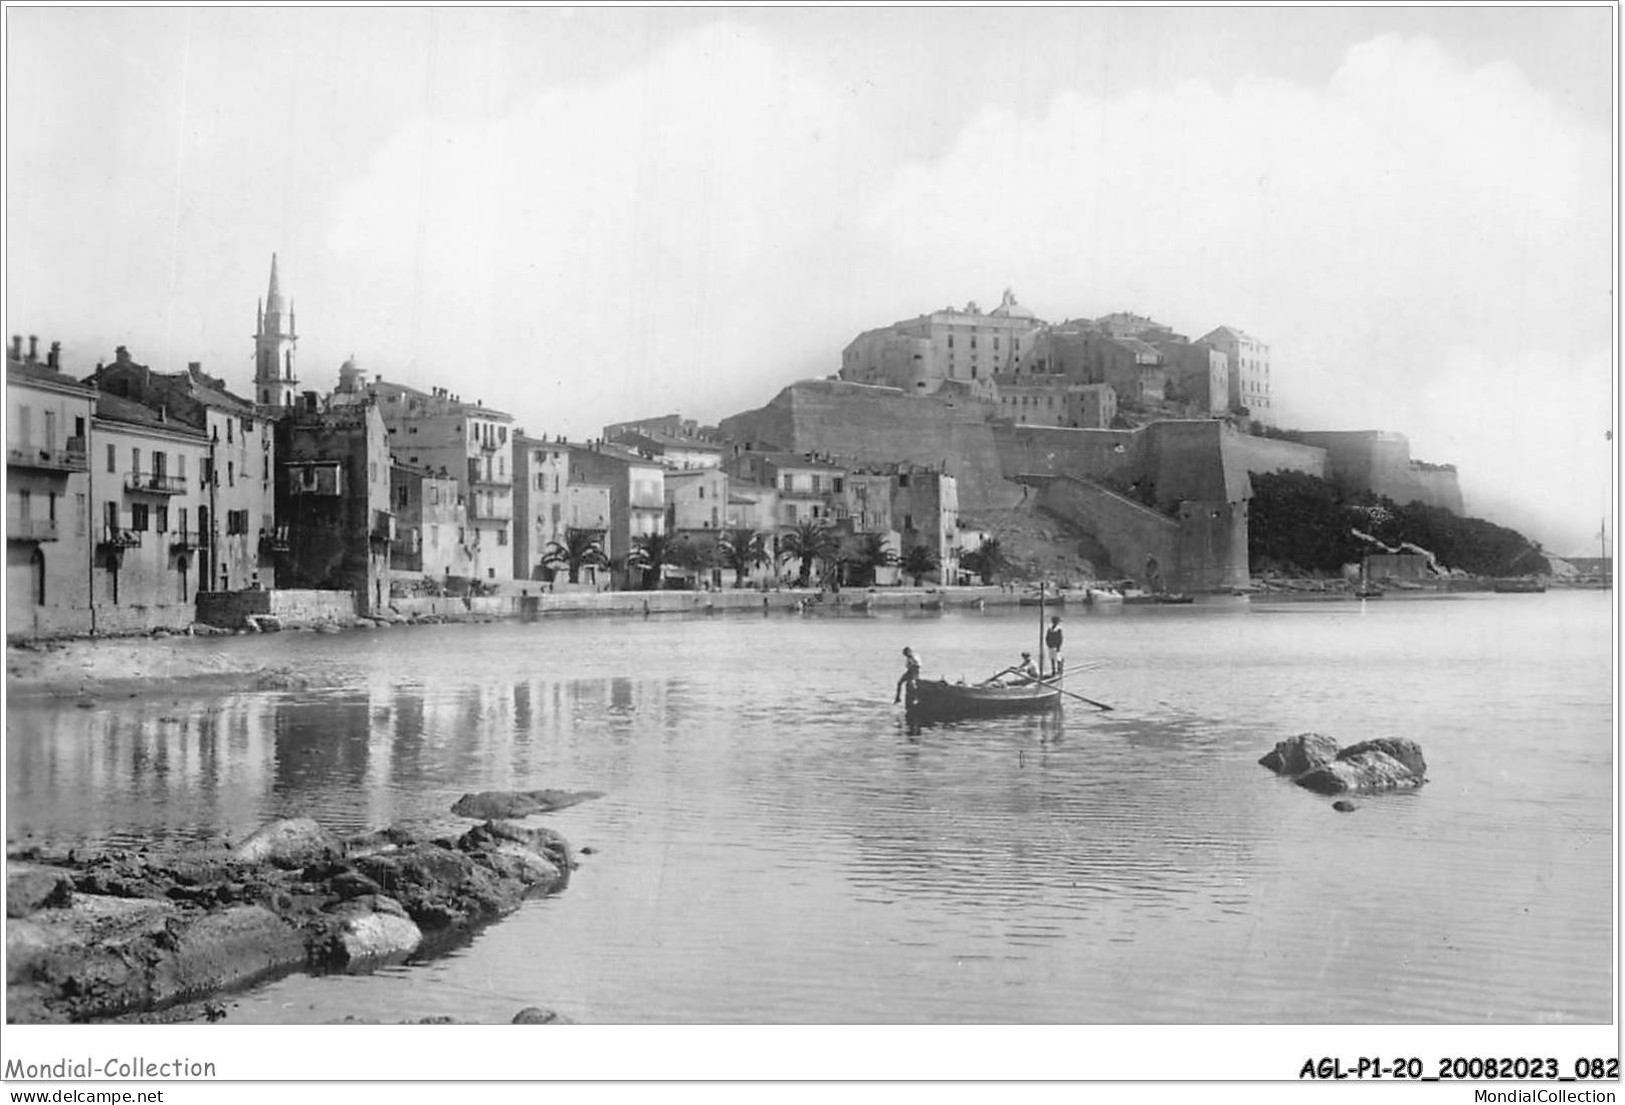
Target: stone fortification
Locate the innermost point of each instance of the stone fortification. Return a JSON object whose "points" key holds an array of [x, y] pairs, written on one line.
{"points": [[1201, 546], [1054, 451], [1269, 454], [857, 423], [1173, 461], [1380, 462]]}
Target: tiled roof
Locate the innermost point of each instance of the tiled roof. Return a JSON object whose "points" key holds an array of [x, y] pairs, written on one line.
{"points": [[115, 408], [39, 370]]}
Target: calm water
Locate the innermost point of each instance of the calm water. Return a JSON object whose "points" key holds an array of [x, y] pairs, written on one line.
{"points": [[774, 846]]}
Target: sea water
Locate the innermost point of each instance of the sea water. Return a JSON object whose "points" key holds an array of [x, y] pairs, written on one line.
{"points": [[775, 844]]}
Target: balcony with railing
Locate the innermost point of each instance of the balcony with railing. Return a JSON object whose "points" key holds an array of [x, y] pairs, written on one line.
{"points": [[120, 538], [185, 540], [31, 529], [275, 540], [73, 458], [154, 483]]}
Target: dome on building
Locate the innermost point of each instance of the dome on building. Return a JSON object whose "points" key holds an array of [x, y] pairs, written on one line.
{"points": [[1009, 308], [350, 375]]}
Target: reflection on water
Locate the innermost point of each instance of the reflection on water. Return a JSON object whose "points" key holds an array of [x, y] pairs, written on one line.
{"points": [[776, 843]]}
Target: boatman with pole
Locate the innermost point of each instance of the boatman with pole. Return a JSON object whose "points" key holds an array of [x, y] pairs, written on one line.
{"points": [[1052, 641]]}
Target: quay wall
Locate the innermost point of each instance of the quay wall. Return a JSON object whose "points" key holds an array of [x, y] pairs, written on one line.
{"points": [[232, 609]]}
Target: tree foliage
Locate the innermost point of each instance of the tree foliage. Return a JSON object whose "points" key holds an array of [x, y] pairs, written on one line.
{"points": [[650, 553], [870, 553], [919, 561], [986, 561], [809, 541], [1301, 521], [580, 549], [743, 549]]}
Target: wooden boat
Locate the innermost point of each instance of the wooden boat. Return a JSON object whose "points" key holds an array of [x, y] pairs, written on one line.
{"points": [[1043, 600], [1518, 585], [945, 701]]}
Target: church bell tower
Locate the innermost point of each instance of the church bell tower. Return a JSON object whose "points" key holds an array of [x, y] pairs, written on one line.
{"points": [[275, 384]]}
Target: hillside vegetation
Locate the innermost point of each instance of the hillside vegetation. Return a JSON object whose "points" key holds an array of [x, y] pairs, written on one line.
{"points": [[1301, 522]]}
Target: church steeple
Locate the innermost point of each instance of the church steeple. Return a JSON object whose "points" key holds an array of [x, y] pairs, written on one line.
{"points": [[274, 381]]}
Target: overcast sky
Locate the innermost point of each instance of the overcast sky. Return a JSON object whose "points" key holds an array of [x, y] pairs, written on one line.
{"points": [[582, 216]]}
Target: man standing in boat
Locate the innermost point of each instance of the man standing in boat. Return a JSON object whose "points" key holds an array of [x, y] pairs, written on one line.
{"points": [[1052, 642], [910, 676]]}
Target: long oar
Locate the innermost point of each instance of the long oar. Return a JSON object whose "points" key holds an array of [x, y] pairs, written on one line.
{"points": [[1079, 697]]}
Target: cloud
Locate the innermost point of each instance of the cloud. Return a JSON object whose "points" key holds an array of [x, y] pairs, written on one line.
{"points": [[624, 240], [1414, 221]]}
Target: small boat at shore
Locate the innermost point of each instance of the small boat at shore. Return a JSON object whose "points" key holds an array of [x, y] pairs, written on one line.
{"points": [[1518, 585], [945, 701]]}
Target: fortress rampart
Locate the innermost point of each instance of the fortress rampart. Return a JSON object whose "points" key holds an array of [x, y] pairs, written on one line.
{"points": [[1194, 472], [855, 423], [1380, 462]]}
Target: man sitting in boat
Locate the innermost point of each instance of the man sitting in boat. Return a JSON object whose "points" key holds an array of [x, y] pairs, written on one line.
{"points": [[1024, 672], [910, 676]]}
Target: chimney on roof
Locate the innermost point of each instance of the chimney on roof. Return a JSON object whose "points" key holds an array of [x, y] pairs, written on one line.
{"points": [[16, 347], [54, 358], [33, 348], [121, 355], [194, 368]]}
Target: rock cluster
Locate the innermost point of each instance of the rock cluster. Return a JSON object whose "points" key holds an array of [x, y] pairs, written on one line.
{"points": [[122, 932], [519, 803], [1315, 762]]}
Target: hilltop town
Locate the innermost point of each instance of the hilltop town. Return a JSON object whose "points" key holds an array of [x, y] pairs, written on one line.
{"points": [[953, 446]]}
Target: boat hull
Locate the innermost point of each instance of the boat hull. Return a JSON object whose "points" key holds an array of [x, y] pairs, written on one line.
{"points": [[944, 701]]}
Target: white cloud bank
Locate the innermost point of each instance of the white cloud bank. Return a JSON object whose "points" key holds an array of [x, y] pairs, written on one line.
{"points": [[1425, 246]]}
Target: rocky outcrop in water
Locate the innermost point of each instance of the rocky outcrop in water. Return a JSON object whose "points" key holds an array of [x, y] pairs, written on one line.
{"points": [[122, 932], [1315, 762], [519, 803]]}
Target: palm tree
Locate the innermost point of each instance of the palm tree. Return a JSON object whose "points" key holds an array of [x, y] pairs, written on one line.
{"points": [[693, 555], [918, 561], [987, 561], [809, 541], [650, 553], [581, 548], [873, 553], [743, 549]]}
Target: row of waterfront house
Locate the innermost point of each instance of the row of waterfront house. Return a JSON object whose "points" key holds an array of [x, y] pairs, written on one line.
{"points": [[131, 492]]}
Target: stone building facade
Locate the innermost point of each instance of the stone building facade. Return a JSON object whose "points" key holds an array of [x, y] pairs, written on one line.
{"points": [[333, 500], [1249, 362], [636, 492], [238, 525], [470, 441], [920, 355], [148, 485], [50, 519]]}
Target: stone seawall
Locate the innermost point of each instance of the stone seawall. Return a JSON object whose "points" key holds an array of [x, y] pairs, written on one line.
{"points": [[290, 608]]}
